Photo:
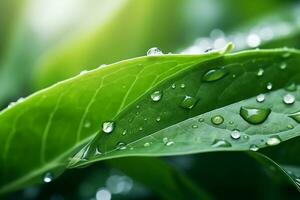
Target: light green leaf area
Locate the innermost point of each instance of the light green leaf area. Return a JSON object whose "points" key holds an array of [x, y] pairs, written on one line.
{"points": [[40, 132], [211, 107]]}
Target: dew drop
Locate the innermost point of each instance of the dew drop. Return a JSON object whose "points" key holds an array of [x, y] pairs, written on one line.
{"points": [[108, 127], [295, 116], [141, 128], [47, 177], [260, 98], [156, 96], [290, 126], [214, 74], [154, 51], [221, 143], [260, 72], [201, 120], [83, 72], [269, 86], [235, 134], [188, 102], [147, 144], [165, 140], [124, 132], [217, 120], [273, 140], [158, 119], [121, 146], [289, 99], [253, 147], [282, 66], [254, 115], [194, 126], [173, 86], [182, 85], [169, 143], [286, 55]]}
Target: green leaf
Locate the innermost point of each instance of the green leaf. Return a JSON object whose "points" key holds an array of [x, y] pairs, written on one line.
{"points": [[172, 183], [40, 120], [156, 99]]}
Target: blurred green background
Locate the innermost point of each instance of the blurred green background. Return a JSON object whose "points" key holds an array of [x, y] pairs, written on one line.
{"points": [[46, 41]]}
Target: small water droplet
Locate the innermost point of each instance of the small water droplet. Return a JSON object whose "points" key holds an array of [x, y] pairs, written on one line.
{"points": [[253, 147], [83, 72], [233, 76], [273, 140], [188, 102], [158, 119], [260, 72], [182, 85], [169, 143], [282, 66], [147, 144], [291, 87], [217, 120], [194, 126], [235, 134], [108, 127], [260, 98], [48, 177], [289, 99], [165, 140], [124, 132], [295, 116], [141, 128], [269, 86], [201, 120], [154, 51], [156, 96], [221, 143], [121, 146], [173, 86], [254, 115], [286, 54], [214, 74], [20, 100]]}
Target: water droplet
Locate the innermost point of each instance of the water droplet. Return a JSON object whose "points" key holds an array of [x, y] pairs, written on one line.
{"points": [[156, 96], [165, 140], [188, 102], [214, 74], [147, 144], [221, 143], [141, 128], [291, 87], [108, 127], [254, 115], [289, 99], [269, 86], [260, 98], [273, 140], [282, 66], [87, 124], [194, 126], [231, 122], [173, 86], [169, 143], [235, 134], [154, 51], [295, 116], [138, 106], [20, 100], [217, 120], [47, 177], [158, 119], [290, 126], [124, 132], [182, 85], [253, 147], [233, 76], [121, 146], [201, 120], [260, 72]]}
